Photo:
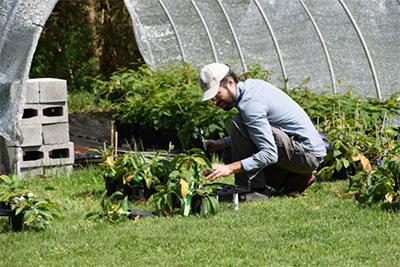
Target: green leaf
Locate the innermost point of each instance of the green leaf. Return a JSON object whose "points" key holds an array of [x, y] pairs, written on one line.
{"points": [[205, 206], [339, 165], [214, 205], [336, 153], [346, 163], [200, 160]]}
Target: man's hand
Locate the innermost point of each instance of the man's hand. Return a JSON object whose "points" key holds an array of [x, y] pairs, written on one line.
{"points": [[215, 145], [221, 170], [218, 170]]}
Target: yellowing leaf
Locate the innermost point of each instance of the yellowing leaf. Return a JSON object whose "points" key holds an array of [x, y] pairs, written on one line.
{"points": [[364, 162], [110, 161], [129, 178], [390, 196], [184, 187]]}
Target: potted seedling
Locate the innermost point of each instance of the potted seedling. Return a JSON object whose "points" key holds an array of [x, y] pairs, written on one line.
{"points": [[25, 207], [184, 192], [134, 173]]}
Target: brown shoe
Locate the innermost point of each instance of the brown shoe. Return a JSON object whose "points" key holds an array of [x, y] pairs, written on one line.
{"points": [[309, 181]]}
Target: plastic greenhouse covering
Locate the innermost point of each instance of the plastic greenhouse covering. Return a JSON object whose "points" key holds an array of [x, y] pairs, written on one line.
{"points": [[353, 41]]}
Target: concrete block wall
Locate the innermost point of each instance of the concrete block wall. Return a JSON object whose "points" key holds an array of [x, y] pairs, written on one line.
{"points": [[44, 114], [45, 131]]}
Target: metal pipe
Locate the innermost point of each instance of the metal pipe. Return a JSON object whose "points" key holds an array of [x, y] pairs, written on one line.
{"points": [[321, 39], [370, 62], [174, 28], [278, 51], [207, 30], [234, 35]]}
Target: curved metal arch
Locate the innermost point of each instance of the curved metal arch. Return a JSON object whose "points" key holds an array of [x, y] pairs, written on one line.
{"points": [[324, 47], [234, 35], [278, 51], [174, 28], [365, 47], [207, 29]]}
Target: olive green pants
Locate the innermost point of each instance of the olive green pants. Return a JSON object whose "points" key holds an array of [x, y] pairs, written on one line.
{"points": [[294, 164]]}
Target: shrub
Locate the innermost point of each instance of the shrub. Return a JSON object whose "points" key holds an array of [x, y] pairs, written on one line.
{"points": [[175, 183], [168, 98], [352, 126], [165, 98], [380, 186]]}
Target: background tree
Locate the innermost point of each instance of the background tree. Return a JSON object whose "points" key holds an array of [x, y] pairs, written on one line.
{"points": [[84, 39]]}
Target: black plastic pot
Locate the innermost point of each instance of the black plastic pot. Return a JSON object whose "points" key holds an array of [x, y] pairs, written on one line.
{"points": [[196, 204], [112, 185], [138, 192], [16, 221], [344, 173], [134, 192]]}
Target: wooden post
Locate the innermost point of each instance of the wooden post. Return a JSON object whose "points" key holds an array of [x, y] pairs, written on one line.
{"points": [[112, 137], [116, 144]]}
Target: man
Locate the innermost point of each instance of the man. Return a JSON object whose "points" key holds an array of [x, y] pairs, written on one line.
{"points": [[273, 141]]}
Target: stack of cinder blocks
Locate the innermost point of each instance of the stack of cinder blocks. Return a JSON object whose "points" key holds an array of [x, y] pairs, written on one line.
{"points": [[44, 128]]}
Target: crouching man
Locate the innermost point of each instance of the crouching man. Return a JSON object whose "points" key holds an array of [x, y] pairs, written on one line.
{"points": [[273, 142]]}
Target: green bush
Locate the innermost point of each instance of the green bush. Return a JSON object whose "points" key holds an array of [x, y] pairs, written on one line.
{"points": [[177, 184], [379, 186], [356, 128], [353, 126], [164, 98]]}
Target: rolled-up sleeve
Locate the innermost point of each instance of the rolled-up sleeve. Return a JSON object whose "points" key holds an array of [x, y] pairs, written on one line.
{"points": [[227, 141], [254, 116]]}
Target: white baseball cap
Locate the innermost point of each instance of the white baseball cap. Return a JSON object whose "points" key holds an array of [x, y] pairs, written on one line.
{"points": [[210, 78]]}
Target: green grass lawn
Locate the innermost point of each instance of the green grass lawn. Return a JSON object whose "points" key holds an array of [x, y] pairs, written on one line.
{"points": [[320, 228]]}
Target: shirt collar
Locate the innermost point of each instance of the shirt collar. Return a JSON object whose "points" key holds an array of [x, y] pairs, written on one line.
{"points": [[239, 91]]}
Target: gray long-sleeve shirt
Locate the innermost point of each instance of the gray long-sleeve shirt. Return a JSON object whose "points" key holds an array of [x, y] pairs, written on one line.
{"points": [[262, 105]]}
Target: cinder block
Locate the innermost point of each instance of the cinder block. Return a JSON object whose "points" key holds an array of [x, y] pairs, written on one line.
{"points": [[44, 114], [57, 133], [28, 157], [32, 92], [43, 156], [54, 113], [31, 114], [52, 90], [32, 135], [60, 154], [40, 171]]}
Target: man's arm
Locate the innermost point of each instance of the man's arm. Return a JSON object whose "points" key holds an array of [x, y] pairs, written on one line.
{"points": [[255, 118], [216, 145]]}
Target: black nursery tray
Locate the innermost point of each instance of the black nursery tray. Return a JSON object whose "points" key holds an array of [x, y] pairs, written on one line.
{"points": [[225, 192], [137, 214], [5, 212]]}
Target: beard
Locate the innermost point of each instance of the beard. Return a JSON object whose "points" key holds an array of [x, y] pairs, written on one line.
{"points": [[227, 105]]}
